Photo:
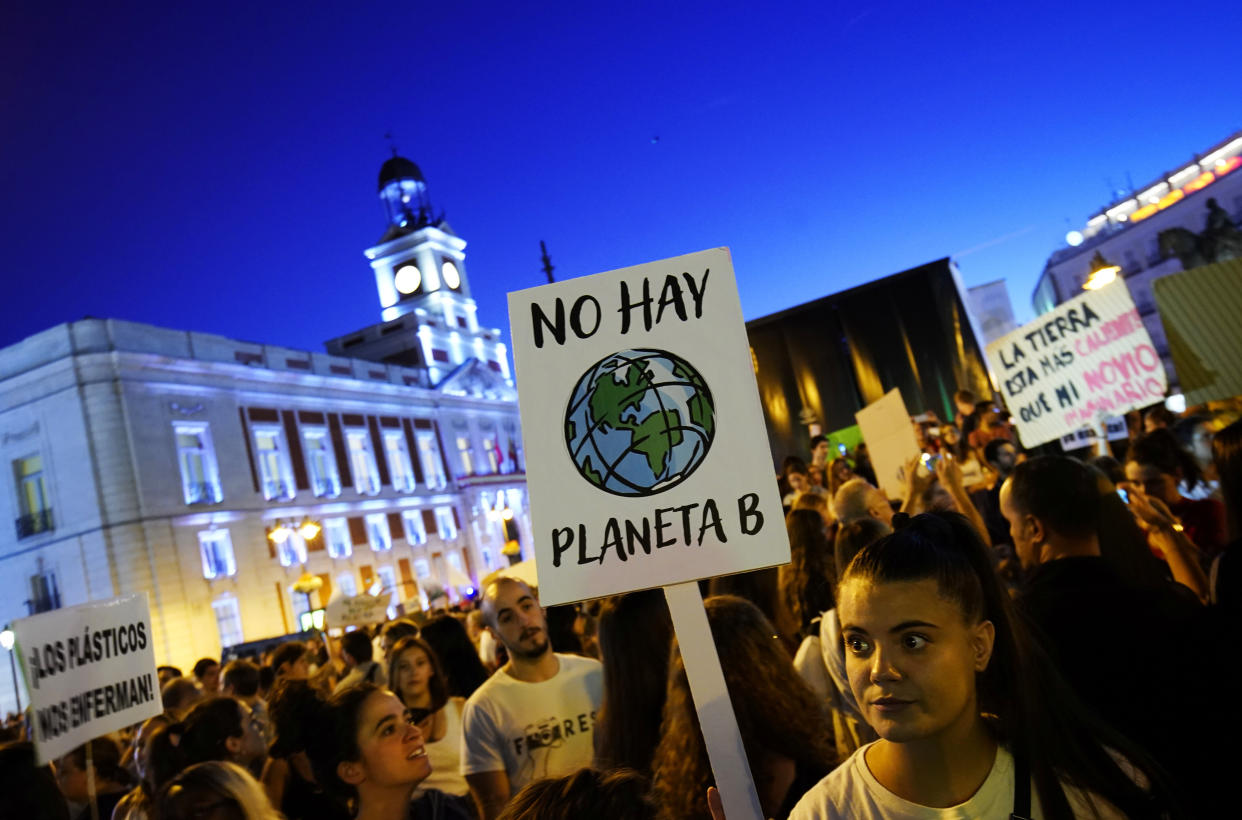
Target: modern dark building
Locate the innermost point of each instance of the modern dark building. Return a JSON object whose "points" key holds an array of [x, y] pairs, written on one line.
{"points": [[822, 361]]}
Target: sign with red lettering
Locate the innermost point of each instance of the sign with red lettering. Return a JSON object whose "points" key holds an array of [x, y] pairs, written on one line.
{"points": [[1083, 361], [646, 458]]}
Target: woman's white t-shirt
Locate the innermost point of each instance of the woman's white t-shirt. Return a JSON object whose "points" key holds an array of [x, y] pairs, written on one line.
{"points": [[445, 755], [851, 791]]}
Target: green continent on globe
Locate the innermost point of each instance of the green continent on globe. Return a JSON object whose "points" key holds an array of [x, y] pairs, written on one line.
{"points": [[654, 436], [701, 411]]}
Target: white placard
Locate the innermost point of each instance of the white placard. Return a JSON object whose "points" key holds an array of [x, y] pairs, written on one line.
{"points": [[357, 610], [90, 670], [1115, 429], [1085, 359], [886, 428], [647, 460]]}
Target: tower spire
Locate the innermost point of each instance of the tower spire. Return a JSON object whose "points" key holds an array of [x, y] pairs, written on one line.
{"points": [[547, 261]]}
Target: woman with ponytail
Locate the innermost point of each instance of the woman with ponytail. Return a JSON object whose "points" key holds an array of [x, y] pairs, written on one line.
{"points": [[215, 729], [972, 721]]}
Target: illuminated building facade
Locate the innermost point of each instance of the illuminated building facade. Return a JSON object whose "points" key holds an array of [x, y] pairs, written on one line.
{"points": [[212, 473], [1128, 233]]}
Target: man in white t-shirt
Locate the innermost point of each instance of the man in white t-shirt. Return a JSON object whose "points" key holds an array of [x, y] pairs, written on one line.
{"points": [[535, 717]]}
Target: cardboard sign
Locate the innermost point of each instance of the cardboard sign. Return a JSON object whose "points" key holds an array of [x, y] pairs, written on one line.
{"points": [[889, 433], [1086, 359], [646, 458], [90, 670], [1115, 429], [357, 610], [1200, 309]]}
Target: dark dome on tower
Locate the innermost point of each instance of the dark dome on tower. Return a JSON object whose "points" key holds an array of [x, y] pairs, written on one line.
{"points": [[399, 168]]}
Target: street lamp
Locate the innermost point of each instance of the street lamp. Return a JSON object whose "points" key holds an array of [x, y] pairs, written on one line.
{"points": [[1102, 273], [7, 639]]}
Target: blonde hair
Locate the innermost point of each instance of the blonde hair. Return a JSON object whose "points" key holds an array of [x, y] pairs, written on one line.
{"points": [[216, 779]]}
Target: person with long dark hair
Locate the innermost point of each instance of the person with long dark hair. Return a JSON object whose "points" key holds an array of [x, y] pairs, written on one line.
{"points": [[1223, 576], [218, 728], [806, 582], [635, 633], [786, 736], [415, 676], [367, 753], [287, 777], [972, 720], [1157, 468], [457, 655]]}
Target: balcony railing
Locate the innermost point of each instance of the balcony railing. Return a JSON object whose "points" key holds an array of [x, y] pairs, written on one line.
{"points": [[35, 523], [327, 487], [277, 491], [203, 494]]}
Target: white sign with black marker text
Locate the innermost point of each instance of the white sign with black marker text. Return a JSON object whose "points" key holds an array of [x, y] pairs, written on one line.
{"points": [[90, 670], [1084, 360]]}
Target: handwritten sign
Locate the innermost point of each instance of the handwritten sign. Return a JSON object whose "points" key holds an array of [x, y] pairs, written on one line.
{"points": [[90, 670], [357, 610], [644, 438], [1086, 359]]}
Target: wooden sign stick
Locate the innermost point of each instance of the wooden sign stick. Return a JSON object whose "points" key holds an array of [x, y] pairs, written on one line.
{"points": [[711, 702]]}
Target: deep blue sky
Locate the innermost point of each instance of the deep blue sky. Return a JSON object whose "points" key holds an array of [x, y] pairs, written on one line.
{"points": [[213, 167]]}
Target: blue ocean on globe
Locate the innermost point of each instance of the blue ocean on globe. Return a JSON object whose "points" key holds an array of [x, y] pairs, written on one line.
{"points": [[639, 422]]}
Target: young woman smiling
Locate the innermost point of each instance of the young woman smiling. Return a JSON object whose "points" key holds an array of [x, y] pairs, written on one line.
{"points": [[367, 752], [971, 723], [416, 677]]}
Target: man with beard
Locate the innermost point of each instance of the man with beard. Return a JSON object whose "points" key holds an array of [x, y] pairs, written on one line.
{"points": [[535, 717]]}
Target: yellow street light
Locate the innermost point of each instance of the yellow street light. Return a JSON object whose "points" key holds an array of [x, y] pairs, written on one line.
{"points": [[308, 530]]}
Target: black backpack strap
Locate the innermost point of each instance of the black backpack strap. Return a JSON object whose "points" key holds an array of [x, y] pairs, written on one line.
{"points": [[1021, 788]]}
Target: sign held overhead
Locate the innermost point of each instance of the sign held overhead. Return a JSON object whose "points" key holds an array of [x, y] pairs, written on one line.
{"points": [[646, 460], [1086, 359], [90, 670]]}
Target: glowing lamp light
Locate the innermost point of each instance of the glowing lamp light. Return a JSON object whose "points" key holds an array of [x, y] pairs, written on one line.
{"points": [[1176, 403], [1144, 212], [279, 534], [450, 275], [1224, 166], [1101, 277], [1198, 183], [469, 591], [308, 530], [7, 639], [1074, 238]]}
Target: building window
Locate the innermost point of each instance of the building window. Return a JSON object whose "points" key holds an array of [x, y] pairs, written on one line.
{"points": [[291, 549], [433, 464], [228, 619], [465, 451], [32, 500], [422, 568], [200, 479], [362, 461], [301, 605], [493, 453], [348, 584], [44, 592], [446, 524], [336, 534], [487, 557], [399, 461], [275, 471], [377, 532], [388, 577], [216, 548], [415, 531], [325, 480]]}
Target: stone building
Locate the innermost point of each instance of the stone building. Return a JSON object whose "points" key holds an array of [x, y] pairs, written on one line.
{"points": [[212, 473]]}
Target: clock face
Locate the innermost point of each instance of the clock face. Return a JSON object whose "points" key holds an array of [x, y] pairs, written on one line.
{"points": [[407, 279], [450, 275]]}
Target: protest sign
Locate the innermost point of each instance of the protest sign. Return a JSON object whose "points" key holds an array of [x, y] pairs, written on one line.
{"points": [[889, 433], [1085, 359], [1115, 429], [357, 610], [1199, 309], [89, 670], [646, 458]]}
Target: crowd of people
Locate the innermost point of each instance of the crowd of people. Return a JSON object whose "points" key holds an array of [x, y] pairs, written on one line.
{"points": [[1020, 635]]}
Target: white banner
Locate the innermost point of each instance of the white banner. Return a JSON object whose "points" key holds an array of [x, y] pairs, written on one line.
{"points": [[647, 460], [357, 610], [90, 670], [1085, 359]]}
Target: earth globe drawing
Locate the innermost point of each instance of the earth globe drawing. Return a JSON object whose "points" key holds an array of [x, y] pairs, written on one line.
{"points": [[639, 422]]}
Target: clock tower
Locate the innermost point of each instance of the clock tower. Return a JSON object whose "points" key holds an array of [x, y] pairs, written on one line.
{"points": [[429, 317]]}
